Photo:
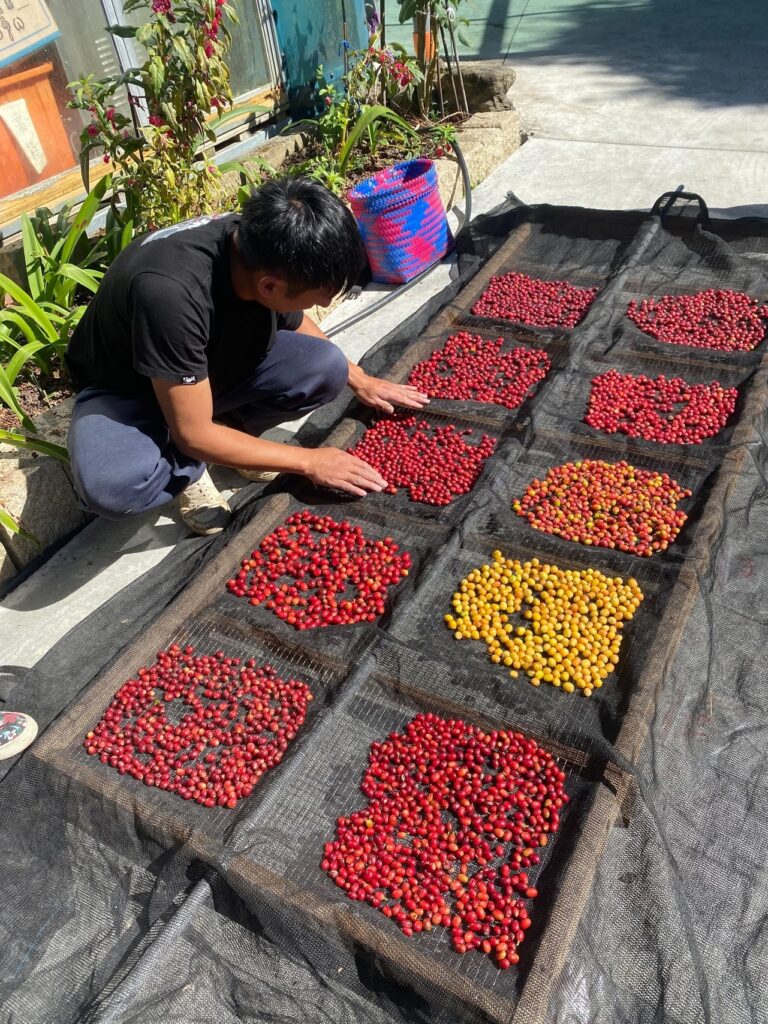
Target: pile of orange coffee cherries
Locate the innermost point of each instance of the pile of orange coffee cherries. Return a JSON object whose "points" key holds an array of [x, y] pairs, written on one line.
{"points": [[606, 504]]}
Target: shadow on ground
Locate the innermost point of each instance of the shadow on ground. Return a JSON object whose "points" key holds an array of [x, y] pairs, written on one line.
{"points": [[704, 50]]}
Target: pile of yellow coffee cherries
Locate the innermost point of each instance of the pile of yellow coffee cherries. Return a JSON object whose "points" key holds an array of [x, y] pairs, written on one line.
{"points": [[570, 620]]}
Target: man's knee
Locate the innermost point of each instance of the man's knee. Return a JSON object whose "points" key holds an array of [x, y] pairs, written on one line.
{"points": [[110, 495]]}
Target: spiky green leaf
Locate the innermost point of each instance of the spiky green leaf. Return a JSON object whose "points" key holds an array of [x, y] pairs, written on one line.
{"points": [[34, 444]]}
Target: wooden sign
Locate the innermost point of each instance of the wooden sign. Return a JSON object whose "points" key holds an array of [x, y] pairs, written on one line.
{"points": [[25, 26]]}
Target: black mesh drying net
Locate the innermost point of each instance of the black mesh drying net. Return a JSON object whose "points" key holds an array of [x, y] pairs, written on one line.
{"points": [[123, 903]]}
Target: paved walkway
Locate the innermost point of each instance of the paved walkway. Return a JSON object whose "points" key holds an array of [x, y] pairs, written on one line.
{"points": [[623, 100]]}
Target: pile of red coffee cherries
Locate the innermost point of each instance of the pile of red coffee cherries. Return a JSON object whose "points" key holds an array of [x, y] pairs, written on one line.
{"points": [[235, 723], [606, 504], [454, 820], [338, 575], [667, 410], [716, 318], [472, 368], [436, 464], [529, 300]]}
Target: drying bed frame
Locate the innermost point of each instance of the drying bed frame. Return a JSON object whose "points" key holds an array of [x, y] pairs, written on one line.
{"points": [[373, 677]]}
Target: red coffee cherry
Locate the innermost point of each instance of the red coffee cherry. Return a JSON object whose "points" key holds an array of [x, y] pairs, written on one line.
{"points": [[608, 505], [529, 300], [472, 368], [719, 319], [206, 727], [667, 410], [453, 823], [436, 464], [313, 571]]}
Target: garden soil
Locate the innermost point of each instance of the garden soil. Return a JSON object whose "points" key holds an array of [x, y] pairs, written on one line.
{"points": [[126, 904]]}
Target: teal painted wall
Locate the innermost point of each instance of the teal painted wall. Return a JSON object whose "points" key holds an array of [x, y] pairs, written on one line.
{"points": [[310, 34]]}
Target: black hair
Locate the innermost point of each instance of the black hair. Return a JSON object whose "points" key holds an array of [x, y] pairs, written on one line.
{"points": [[297, 228]]}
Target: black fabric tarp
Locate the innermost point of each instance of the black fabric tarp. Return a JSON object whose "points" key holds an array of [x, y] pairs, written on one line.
{"points": [[123, 904]]}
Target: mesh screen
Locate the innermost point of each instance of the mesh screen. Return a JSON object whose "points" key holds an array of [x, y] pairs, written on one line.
{"points": [[130, 904]]}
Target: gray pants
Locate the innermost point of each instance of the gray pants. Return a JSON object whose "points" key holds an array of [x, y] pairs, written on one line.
{"points": [[123, 459]]}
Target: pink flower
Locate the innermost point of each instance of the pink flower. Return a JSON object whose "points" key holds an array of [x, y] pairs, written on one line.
{"points": [[93, 130], [161, 6], [156, 120], [106, 158], [209, 48], [109, 113]]}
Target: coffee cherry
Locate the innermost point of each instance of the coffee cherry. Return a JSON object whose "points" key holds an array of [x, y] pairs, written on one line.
{"points": [[529, 300], [313, 571], [454, 819], [436, 464], [568, 630], [609, 505], [716, 318], [472, 368], [667, 410], [206, 727]]}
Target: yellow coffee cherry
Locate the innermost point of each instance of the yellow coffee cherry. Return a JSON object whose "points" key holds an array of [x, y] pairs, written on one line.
{"points": [[573, 619]]}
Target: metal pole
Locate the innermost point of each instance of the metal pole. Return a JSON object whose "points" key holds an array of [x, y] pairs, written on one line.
{"points": [[458, 64], [450, 68]]}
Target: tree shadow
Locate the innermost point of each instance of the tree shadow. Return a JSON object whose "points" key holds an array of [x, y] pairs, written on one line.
{"points": [[704, 50]]}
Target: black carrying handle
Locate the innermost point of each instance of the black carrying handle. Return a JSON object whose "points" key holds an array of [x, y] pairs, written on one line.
{"points": [[667, 200]]}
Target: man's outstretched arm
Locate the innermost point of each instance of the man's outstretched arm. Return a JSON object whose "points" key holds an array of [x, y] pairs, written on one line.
{"points": [[373, 391], [188, 411]]}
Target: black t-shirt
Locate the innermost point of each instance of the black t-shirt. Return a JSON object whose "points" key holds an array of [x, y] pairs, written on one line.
{"points": [[167, 309]]}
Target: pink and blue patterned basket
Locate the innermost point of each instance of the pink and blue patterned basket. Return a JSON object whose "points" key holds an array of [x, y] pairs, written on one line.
{"points": [[402, 220]]}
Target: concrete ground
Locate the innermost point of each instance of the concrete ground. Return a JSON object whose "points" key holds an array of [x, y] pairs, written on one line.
{"points": [[623, 101]]}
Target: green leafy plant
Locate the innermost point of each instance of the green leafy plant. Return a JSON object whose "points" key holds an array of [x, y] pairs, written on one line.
{"points": [[364, 124], [7, 520], [383, 75], [165, 165], [345, 123], [65, 233]]}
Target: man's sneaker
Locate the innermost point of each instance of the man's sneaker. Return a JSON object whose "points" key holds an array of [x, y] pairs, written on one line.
{"points": [[203, 508], [258, 476]]}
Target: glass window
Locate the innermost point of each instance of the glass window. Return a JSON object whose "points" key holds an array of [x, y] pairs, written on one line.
{"points": [[38, 134], [44, 44]]}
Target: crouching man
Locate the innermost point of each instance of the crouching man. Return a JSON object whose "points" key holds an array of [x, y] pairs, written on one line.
{"points": [[196, 343]]}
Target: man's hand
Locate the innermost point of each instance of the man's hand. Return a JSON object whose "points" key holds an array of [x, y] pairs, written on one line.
{"points": [[383, 395], [331, 467]]}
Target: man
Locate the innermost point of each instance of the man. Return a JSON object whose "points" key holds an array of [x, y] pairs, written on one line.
{"points": [[196, 343]]}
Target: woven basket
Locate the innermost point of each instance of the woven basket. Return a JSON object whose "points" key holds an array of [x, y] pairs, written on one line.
{"points": [[402, 220]]}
